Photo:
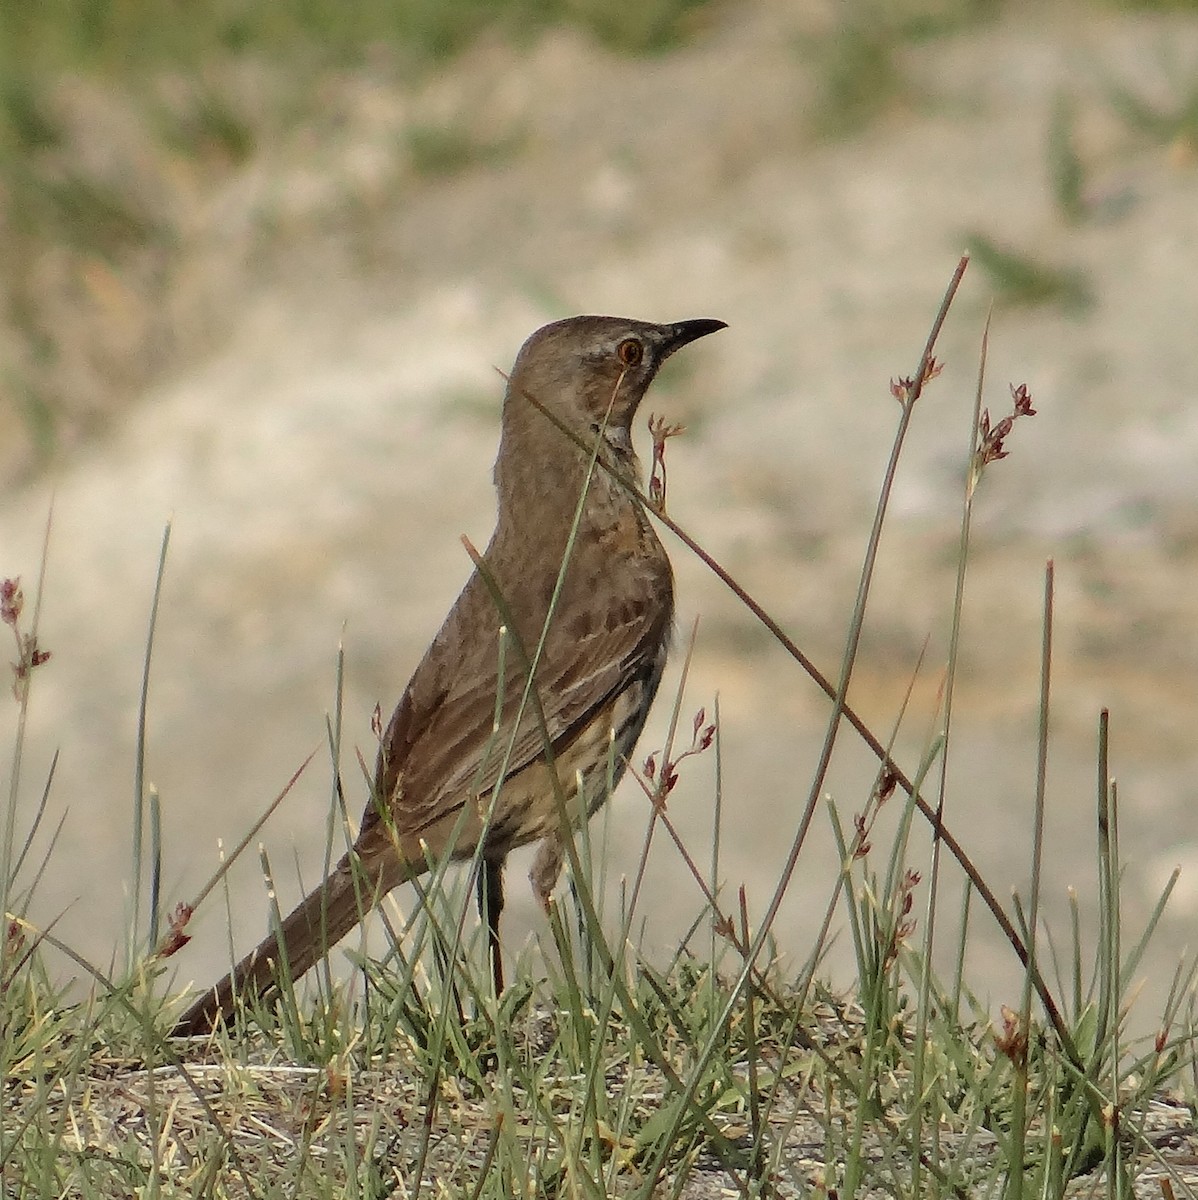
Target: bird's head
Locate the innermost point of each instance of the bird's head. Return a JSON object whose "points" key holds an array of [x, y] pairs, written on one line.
{"points": [[592, 372]]}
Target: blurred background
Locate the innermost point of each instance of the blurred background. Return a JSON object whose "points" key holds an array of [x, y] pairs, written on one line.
{"points": [[260, 263]]}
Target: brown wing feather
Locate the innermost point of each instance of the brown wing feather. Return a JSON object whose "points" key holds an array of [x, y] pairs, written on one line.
{"points": [[442, 747]]}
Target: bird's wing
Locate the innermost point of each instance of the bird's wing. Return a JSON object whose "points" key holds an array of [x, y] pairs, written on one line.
{"points": [[445, 746]]}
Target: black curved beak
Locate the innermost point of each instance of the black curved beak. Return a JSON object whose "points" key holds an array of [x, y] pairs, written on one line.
{"points": [[682, 333]]}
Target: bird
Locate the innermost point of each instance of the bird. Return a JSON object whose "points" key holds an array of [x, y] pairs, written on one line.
{"points": [[576, 586]]}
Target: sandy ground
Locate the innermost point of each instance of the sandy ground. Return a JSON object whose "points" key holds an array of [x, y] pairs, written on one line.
{"points": [[320, 464]]}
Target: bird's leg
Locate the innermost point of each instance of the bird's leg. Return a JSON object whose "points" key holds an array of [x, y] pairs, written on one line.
{"points": [[547, 870], [490, 906]]}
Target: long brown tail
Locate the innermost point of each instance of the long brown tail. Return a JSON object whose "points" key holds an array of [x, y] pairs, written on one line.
{"points": [[318, 922]]}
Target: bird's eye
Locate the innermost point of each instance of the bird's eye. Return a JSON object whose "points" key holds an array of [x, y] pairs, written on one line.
{"points": [[630, 352]]}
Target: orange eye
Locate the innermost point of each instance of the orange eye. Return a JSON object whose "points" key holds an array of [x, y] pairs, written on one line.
{"points": [[630, 352]]}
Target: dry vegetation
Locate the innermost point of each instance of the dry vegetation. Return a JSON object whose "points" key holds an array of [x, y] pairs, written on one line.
{"points": [[602, 1072]]}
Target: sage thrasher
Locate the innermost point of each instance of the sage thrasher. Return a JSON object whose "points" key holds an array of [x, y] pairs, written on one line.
{"points": [[575, 584]]}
